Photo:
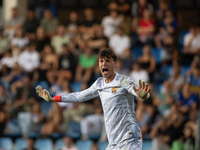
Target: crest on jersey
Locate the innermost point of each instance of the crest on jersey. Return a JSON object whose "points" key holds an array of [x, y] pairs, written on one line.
{"points": [[114, 90]]}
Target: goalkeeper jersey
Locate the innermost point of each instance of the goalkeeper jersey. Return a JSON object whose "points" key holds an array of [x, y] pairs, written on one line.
{"points": [[117, 98]]}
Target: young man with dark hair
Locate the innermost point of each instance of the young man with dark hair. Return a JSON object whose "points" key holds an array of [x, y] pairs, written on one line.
{"points": [[117, 97]]}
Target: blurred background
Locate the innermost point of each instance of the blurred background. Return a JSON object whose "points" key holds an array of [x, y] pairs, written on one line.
{"points": [[55, 44]]}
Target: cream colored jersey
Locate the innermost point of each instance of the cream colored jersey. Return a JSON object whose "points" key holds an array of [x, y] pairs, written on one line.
{"points": [[117, 98]]}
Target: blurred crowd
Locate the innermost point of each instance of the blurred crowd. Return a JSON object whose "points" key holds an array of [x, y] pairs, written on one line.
{"points": [[63, 58]]}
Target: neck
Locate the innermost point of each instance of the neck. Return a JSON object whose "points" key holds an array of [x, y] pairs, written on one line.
{"points": [[108, 80]]}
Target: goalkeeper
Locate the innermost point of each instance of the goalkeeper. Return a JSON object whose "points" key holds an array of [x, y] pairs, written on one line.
{"points": [[116, 92]]}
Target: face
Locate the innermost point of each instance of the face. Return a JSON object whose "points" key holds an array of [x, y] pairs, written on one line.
{"points": [[61, 30], [146, 50], [107, 67], [47, 14], [146, 14], [73, 16]]}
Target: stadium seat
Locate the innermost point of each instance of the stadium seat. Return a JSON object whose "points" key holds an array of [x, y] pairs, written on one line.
{"points": [[164, 73], [147, 145], [184, 70], [74, 130], [102, 145], [76, 86], [84, 144], [43, 84], [159, 88], [44, 144], [20, 144], [45, 107], [6, 143], [14, 128], [136, 52], [156, 52], [59, 144]]}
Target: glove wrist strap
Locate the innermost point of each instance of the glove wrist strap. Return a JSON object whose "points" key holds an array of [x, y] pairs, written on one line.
{"points": [[57, 98]]}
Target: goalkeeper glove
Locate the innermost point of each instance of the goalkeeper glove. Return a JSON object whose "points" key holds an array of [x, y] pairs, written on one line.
{"points": [[44, 94], [143, 89]]}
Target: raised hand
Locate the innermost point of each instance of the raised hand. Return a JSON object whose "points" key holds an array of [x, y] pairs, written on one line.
{"points": [[44, 94], [143, 89]]}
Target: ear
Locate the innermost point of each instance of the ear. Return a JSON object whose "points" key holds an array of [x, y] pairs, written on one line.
{"points": [[115, 64]]}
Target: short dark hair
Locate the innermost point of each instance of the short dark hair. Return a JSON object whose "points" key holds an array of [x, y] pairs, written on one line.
{"points": [[108, 53]]}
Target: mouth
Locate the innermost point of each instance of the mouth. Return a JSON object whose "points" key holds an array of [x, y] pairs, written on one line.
{"points": [[105, 71]]}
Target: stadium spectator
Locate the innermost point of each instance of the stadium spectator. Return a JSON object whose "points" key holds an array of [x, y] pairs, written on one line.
{"points": [[4, 43], [67, 64], [162, 135], [122, 6], [152, 117], [137, 73], [49, 23], [73, 24], [145, 28], [30, 142], [170, 53], [20, 40], [15, 23], [88, 24], [121, 68], [29, 58], [175, 83], [125, 22], [137, 10], [37, 118], [59, 39], [64, 89], [24, 95], [119, 42], [5, 99], [168, 27], [191, 44], [54, 122], [31, 24], [90, 19], [69, 144], [186, 99], [7, 62], [110, 23], [78, 111], [139, 7], [15, 74], [86, 64], [163, 6], [147, 62], [41, 39], [92, 124], [194, 80], [3, 121], [42, 5], [48, 65], [98, 41], [78, 44]]}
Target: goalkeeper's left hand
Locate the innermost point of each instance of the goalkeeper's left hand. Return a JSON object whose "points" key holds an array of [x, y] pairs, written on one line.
{"points": [[44, 94], [143, 89]]}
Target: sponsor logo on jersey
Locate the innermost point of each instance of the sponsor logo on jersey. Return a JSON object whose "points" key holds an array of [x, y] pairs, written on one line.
{"points": [[114, 90]]}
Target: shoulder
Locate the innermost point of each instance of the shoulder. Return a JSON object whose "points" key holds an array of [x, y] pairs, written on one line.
{"points": [[124, 80], [98, 82]]}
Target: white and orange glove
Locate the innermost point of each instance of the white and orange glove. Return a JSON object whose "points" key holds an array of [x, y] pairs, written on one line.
{"points": [[143, 90], [46, 95]]}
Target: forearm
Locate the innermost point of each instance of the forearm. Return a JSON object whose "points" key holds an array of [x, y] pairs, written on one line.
{"points": [[75, 97]]}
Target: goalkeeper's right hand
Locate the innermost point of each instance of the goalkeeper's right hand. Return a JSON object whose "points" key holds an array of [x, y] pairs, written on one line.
{"points": [[44, 94]]}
